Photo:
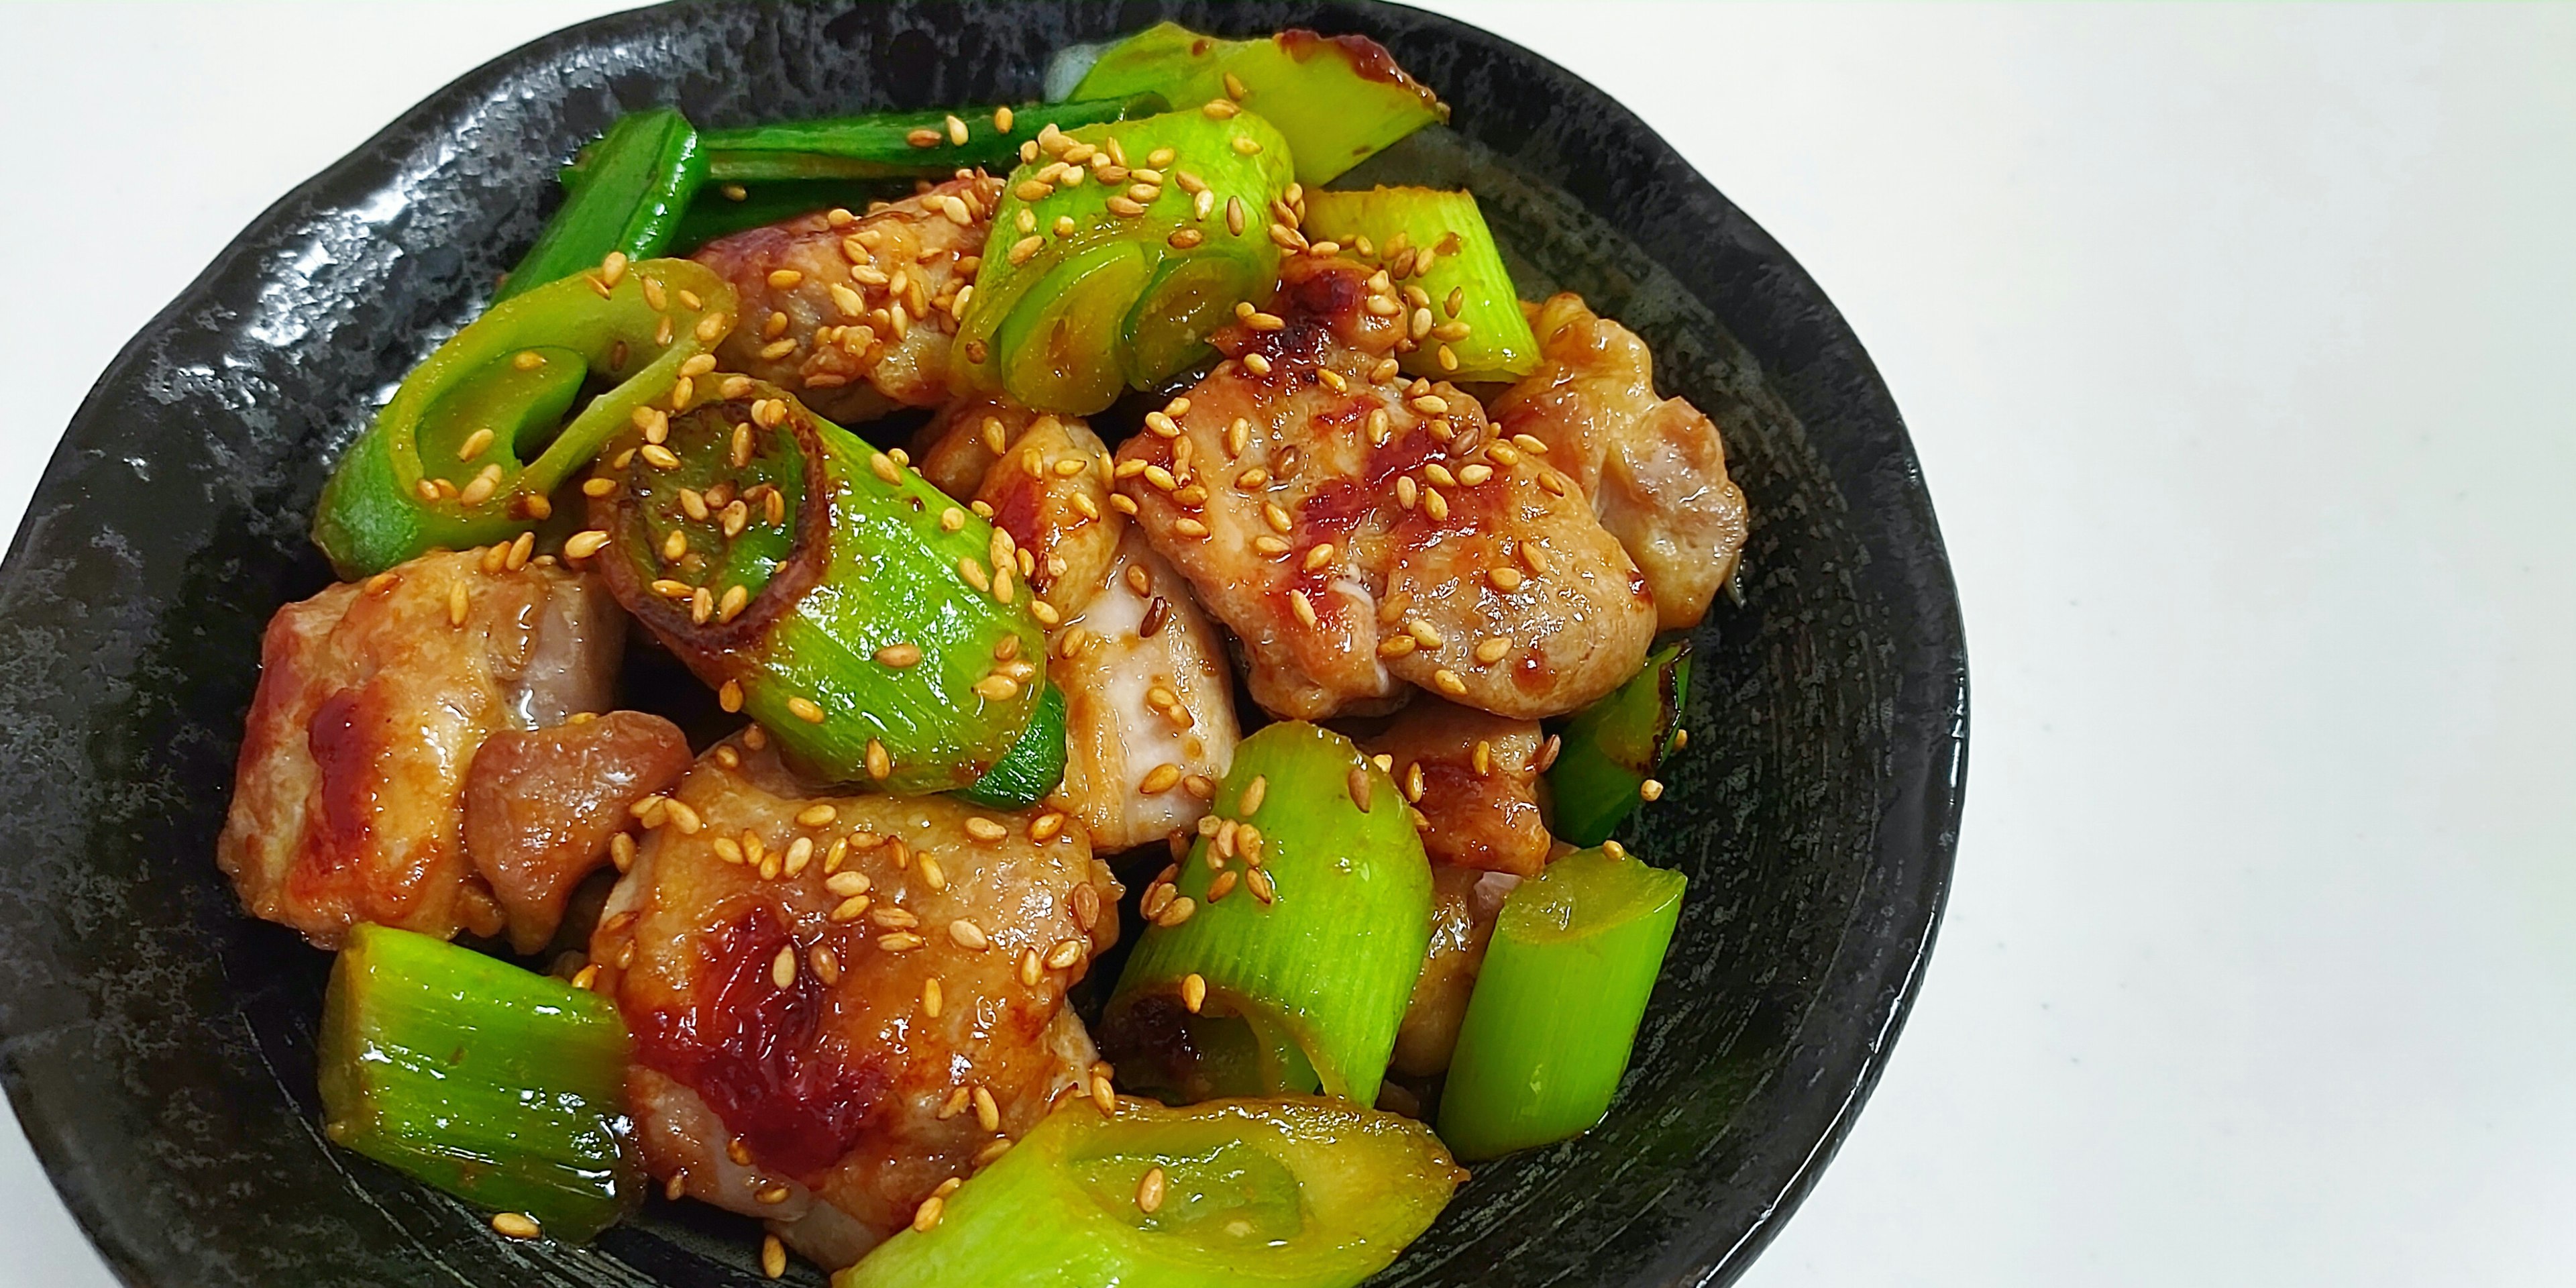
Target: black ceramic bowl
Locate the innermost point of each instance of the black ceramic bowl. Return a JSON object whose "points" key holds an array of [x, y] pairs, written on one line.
{"points": [[159, 1044]]}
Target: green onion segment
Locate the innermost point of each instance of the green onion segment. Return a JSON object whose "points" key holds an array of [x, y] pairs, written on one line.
{"points": [[409, 483], [876, 628], [1438, 241], [1337, 99], [640, 180], [502, 1087], [1554, 1015], [1613, 746], [1291, 1193], [1303, 915]]}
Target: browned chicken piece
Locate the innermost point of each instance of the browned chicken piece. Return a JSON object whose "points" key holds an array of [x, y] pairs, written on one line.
{"points": [[373, 699], [1464, 904], [840, 1002], [1149, 723], [1474, 776], [541, 805], [1353, 529], [1042, 478], [1655, 468], [853, 314]]}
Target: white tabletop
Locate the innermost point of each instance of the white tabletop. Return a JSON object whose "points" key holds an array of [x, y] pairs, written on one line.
{"points": [[2240, 348]]}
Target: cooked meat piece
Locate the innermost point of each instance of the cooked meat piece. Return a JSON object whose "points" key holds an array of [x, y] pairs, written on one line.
{"points": [[854, 315], [541, 804], [839, 1002], [1475, 778], [1044, 479], [1146, 693], [1655, 468], [1464, 903], [1353, 529], [373, 699]]}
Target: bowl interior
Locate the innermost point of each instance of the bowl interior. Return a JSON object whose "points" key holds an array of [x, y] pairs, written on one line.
{"points": [[159, 1043]]}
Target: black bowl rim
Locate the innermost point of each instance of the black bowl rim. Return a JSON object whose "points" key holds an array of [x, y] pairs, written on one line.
{"points": [[1908, 572]]}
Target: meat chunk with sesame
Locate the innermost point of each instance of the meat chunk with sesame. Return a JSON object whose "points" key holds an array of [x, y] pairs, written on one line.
{"points": [[1042, 478], [840, 1002], [1654, 468], [1475, 778], [853, 314], [1149, 723], [373, 701], [541, 805], [1355, 530]]}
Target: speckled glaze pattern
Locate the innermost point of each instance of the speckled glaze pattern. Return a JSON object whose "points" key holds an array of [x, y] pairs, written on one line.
{"points": [[158, 1043]]}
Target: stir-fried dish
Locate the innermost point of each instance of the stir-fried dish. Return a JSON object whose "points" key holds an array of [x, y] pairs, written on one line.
{"points": [[1135, 656]]}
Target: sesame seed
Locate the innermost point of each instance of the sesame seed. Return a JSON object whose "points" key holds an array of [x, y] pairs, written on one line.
{"points": [[1447, 682], [803, 708], [985, 829], [901, 941], [773, 1256], [1651, 789], [1614, 849], [968, 935], [1176, 912], [1258, 882], [899, 655], [515, 1225], [1471, 475], [1506, 578], [729, 696], [879, 763], [1303, 607], [1159, 779], [773, 1194], [456, 604], [1357, 784], [782, 969], [926, 1217], [1221, 886], [658, 456], [923, 138], [1491, 650]]}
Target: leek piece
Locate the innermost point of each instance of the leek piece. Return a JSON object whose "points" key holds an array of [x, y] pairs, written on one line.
{"points": [[1032, 767], [1304, 989], [1295, 1193], [1338, 99], [1100, 275], [502, 1087], [1613, 746], [1550, 1026], [1407, 229]]}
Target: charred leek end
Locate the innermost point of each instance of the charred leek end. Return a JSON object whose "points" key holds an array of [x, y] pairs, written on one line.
{"points": [[1613, 746], [1295, 1193], [640, 180], [1032, 767], [887, 145], [1555, 1011], [499, 1086], [1303, 915], [426, 474], [1472, 327], [1115, 254], [876, 629], [1338, 99]]}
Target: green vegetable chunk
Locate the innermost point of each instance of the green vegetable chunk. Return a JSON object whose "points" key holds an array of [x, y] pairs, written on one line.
{"points": [[1293, 1193], [640, 179], [877, 629], [501, 1087], [885, 145], [408, 484], [1556, 1007], [717, 213], [1437, 241], [1338, 99], [1307, 956], [1032, 767], [1116, 253], [1613, 746]]}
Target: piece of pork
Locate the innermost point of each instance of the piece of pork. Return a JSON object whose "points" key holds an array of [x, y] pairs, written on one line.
{"points": [[541, 804], [1464, 904], [1353, 529], [1474, 776], [853, 314], [373, 700], [1149, 704], [841, 1002], [1042, 478], [1655, 468]]}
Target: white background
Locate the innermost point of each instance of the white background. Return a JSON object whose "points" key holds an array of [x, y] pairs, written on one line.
{"points": [[2240, 348]]}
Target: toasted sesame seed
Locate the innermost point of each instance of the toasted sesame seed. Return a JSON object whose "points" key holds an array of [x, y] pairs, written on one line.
{"points": [[1614, 849], [926, 1217], [923, 138], [1504, 578], [968, 935], [1435, 505], [1651, 789], [956, 131], [879, 763], [515, 1225], [804, 708], [1447, 682], [901, 941], [1159, 779], [1258, 882], [1176, 912], [773, 1256], [1491, 650], [898, 655], [782, 969]]}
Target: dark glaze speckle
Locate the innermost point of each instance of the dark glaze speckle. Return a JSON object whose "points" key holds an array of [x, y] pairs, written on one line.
{"points": [[159, 1043]]}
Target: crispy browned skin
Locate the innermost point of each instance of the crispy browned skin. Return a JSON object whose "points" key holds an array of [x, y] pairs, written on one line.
{"points": [[541, 804], [1494, 548], [1475, 778], [373, 699], [1145, 685], [1464, 903], [788, 1064], [1655, 468], [854, 315], [1042, 478]]}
